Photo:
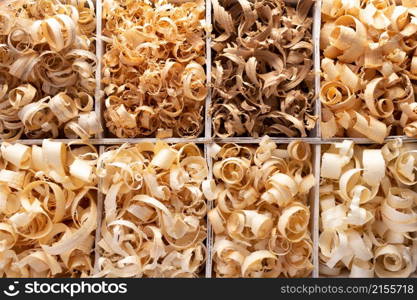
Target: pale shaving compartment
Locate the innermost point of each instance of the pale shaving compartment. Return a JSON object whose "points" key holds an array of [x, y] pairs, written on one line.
{"points": [[48, 211], [368, 221], [154, 211], [47, 66], [369, 68]]}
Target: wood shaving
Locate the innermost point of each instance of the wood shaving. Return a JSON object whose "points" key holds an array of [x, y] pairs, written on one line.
{"points": [[47, 69], [262, 68], [48, 212], [368, 203], [154, 211], [261, 215], [153, 67], [369, 69]]}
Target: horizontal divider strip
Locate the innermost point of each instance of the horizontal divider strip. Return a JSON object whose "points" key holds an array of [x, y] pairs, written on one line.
{"points": [[204, 140]]}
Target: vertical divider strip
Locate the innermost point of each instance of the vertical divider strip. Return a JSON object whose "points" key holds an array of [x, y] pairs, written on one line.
{"points": [[316, 57], [208, 136], [99, 218], [316, 210], [99, 54], [317, 147], [98, 110], [209, 241], [207, 118]]}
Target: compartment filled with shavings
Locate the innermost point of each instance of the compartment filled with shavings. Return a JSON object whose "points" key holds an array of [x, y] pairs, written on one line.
{"points": [[261, 215], [153, 72], [369, 68], [48, 210], [47, 69], [368, 210], [154, 211], [262, 77]]}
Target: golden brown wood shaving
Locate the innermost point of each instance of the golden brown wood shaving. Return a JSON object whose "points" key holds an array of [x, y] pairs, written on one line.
{"points": [[154, 211], [262, 68], [368, 206], [261, 215], [153, 67], [369, 68], [48, 211], [47, 69]]}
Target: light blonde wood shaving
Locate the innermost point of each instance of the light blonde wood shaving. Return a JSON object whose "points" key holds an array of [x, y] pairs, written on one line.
{"points": [[369, 68], [153, 67], [48, 212], [262, 68], [368, 204], [261, 215], [47, 69], [154, 211]]}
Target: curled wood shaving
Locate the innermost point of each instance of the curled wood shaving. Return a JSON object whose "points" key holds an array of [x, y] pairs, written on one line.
{"points": [[368, 209], [154, 211], [261, 215], [47, 69], [369, 69], [48, 211], [262, 68], [153, 67]]}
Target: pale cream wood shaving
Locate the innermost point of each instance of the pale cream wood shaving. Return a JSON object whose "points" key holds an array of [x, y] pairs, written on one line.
{"points": [[47, 66], [261, 216], [368, 210], [262, 68], [154, 211], [368, 69], [154, 68], [48, 212]]}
